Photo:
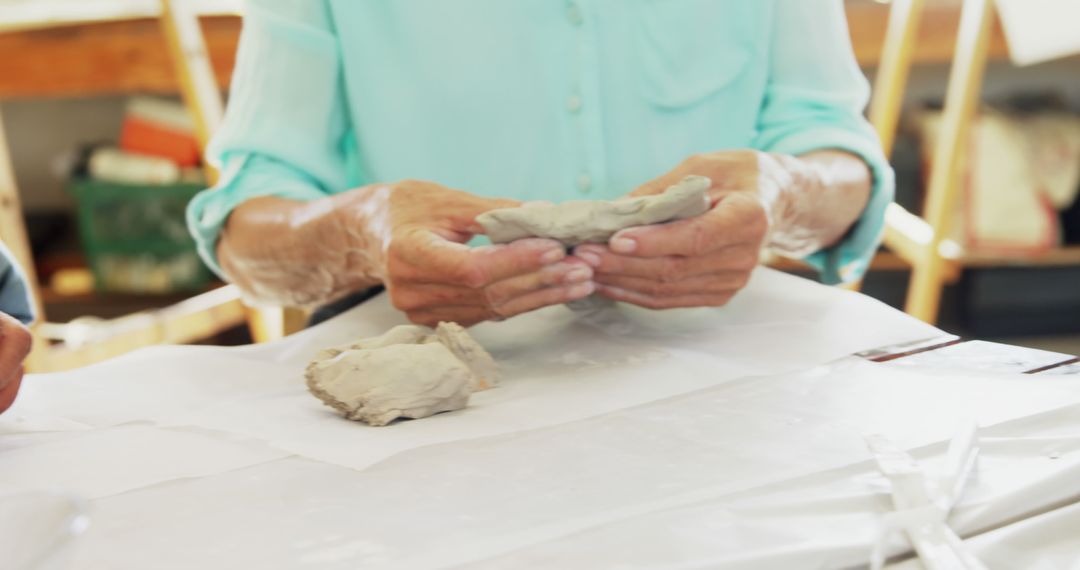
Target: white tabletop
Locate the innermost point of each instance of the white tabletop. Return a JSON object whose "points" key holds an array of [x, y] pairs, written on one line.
{"points": [[627, 438]]}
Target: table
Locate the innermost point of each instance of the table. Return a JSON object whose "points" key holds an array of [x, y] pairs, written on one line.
{"points": [[622, 438]]}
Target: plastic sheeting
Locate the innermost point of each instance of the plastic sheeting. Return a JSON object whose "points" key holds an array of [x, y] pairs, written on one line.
{"points": [[767, 472], [625, 438]]}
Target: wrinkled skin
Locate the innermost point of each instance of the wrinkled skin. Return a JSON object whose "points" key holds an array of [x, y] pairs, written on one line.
{"points": [[795, 206], [15, 344], [409, 236]]}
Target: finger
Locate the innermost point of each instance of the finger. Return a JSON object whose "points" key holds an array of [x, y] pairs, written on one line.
{"points": [[426, 257], [410, 296], [668, 268], [717, 284], [467, 221], [10, 390], [407, 296], [730, 222], [567, 272], [460, 209], [650, 302], [15, 344], [465, 316], [659, 185], [470, 315], [544, 298]]}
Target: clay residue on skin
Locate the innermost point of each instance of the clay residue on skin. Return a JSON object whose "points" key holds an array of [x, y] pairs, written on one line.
{"points": [[595, 221], [408, 372]]}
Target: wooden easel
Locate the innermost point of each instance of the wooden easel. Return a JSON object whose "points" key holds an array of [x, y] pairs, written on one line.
{"points": [[198, 87], [921, 242], [918, 241], [193, 319], [13, 234]]}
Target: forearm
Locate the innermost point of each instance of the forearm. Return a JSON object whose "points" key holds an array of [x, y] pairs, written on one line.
{"points": [[824, 195], [294, 253]]}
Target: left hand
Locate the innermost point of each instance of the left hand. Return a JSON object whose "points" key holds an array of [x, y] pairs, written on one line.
{"points": [[700, 261], [15, 344]]}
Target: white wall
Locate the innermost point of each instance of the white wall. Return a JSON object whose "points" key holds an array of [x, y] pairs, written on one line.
{"points": [[41, 131]]}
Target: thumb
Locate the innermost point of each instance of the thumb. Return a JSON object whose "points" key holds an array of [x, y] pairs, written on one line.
{"points": [[11, 389], [658, 185], [465, 221], [15, 344]]}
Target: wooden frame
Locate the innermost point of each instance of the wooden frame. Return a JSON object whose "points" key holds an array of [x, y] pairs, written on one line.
{"points": [[961, 103], [921, 242], [187, 321], [128, 54], [199, 89]]}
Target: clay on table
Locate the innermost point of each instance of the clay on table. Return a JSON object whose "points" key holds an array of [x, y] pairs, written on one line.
{"points": [[408, 372]]}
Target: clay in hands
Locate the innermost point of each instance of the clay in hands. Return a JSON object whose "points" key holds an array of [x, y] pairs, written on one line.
{"points": [[595, 221]]}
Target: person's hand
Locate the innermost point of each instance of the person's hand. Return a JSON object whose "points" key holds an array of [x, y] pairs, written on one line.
{"points": [[700, 261], [793, 205], [420, 232], [15, 344]]}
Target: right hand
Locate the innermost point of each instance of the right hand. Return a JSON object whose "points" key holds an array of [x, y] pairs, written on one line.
{"points": [[15, 344], [420, 230]]}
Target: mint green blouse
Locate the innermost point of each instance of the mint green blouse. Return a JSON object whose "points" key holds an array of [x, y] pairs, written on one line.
{"points": [[534, 99]]}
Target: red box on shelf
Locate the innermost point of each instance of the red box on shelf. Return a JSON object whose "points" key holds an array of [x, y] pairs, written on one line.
{"points": [[145, 137], [160, 127]]}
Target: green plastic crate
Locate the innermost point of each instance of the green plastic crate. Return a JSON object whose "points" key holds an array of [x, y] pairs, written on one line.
{"points": [[135, 237]]}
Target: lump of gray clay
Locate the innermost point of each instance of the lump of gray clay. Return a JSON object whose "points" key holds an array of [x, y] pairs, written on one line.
{"points": [[595, 221], [454, 337], [408, 372]]}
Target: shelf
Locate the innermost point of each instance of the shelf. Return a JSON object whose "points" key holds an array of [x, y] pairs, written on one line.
{"points": [[1058, 257], [192, 319], [20, 15], [105, 58], [888, 261], [883, 261], [937, 33], [129, 56]]}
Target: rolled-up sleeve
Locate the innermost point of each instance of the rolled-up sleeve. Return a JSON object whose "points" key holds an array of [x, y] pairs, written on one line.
{"points": [[286, 132], [815, 101], [14, 293]]}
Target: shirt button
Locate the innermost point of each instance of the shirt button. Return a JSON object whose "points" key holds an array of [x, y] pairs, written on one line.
{"points": [[573, 14], [573, 103], [584, 182]]}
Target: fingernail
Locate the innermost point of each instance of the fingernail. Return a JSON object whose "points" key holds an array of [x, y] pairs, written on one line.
{"points": [[623, 245], [577, 275], [588, 257], [582, 290], [552, 256]]}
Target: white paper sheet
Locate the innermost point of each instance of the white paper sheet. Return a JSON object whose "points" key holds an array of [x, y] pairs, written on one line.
{"points": [[986, 356], [146, 385], [830, 519], [104, 462], [559, 366], [718, 475], [604, 424]]}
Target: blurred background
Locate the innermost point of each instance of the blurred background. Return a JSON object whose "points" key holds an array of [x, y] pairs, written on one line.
{"points": [[105, 105]]}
